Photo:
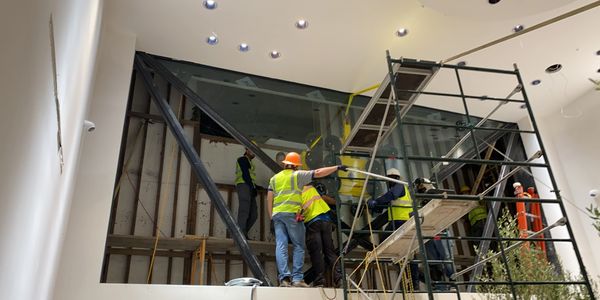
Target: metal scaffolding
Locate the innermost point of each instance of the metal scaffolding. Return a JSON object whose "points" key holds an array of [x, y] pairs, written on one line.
{"points": [[402, 90]]}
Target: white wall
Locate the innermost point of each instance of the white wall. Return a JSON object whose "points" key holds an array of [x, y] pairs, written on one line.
{"points": [[572, 142], [35, 196], [82, 255]]}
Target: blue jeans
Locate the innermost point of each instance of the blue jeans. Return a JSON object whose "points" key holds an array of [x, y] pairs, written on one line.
{"points": [[286, 228]]}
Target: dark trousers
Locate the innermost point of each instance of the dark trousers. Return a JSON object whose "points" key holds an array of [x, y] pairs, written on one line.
{"points": [[319, 243], [247, 211]]}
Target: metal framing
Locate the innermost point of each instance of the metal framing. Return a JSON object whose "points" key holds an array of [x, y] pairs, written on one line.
{"points": [[457, 163], [195, 162]]}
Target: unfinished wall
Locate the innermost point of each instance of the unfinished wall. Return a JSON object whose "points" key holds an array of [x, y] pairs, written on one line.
{"points": [[571, 140], [36, 187]]}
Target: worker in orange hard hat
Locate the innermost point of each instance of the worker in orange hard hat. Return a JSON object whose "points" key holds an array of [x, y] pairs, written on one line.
{"points": [[284, 204]]}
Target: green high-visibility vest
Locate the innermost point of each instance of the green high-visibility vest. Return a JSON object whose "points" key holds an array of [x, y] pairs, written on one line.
{"points": [[312, 204], [287, 194], [238, 172], [478, 213], [401, 208]]}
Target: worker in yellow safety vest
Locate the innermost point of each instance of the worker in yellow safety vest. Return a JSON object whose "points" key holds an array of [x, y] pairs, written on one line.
{"points": [[319, 227], [399, 211], [245, 186], [284, 203], [477, 216]]}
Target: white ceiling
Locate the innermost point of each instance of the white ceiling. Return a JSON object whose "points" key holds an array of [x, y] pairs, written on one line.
{"points": [[344, 46]]}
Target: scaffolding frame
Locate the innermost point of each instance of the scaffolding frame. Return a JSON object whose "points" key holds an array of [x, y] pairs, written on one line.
{"points": [[495, 200]]}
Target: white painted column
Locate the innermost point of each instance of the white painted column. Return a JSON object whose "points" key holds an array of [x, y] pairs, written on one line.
{"points": [[83, 250]]}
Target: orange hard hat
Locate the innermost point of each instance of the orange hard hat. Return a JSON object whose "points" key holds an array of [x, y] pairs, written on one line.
{"points": [[292, 158]]}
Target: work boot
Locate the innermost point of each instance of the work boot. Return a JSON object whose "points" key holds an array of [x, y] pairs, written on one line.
{"points": [[300, 283], [285, 282]]}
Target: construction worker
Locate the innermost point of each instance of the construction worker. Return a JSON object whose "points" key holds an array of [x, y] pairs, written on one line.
{"points": [[477, 215], [400, 209], [245, 186], [284, 203], [319, 227]]}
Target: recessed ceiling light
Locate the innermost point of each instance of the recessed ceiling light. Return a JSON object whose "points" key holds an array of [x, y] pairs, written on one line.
{"points": [[275, 54], [244, 47], [518, 28], [493, 1], [401, 32], [210, 4], [212, 39], [301, 24], [536, 82], [461, 63], [553, 68]]}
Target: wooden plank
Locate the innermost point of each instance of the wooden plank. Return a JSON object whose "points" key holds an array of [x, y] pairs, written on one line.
{"points": [[437, 215]]}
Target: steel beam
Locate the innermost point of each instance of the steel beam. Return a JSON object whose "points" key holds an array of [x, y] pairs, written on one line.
{"points": [[495, 209], [161, 70], [201, 172]]}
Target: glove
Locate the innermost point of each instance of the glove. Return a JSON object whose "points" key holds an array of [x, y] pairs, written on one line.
{"points": [[371, 204], [272, 228], [342, 168]]}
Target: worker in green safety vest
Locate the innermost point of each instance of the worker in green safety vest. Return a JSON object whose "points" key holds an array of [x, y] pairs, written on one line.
{"points": [[245, 185], [284, 203], [319, 227]]}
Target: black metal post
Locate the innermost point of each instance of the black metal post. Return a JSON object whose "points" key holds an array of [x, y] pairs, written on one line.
{"points": [[203, 105], [464, 100], [555, 186], [493, 210], [201, 173], [410, 180]]}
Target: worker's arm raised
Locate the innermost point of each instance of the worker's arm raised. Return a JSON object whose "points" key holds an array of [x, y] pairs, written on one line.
{"points": [[322, 172]]}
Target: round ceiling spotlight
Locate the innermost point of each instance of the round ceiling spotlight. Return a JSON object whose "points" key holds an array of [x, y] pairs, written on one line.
{"points": [[493, 1], [536, 82], [301, 24], [518, 28], [244, 47], [553, 68], [461, 63], [275, 54], [212, 39], [210, 4], [401, 32]]}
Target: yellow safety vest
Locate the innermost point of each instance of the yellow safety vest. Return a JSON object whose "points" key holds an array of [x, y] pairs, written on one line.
{"points": [[287, 194], [353, 184], [478, 213], [401, 208], [312, 204], [238, 172]]}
